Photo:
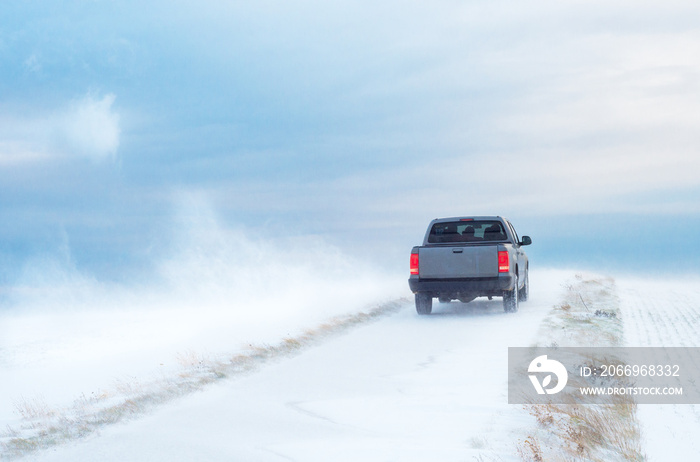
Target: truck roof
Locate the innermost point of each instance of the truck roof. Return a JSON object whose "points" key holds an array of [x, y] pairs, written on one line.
{"points": [[490, 217]]}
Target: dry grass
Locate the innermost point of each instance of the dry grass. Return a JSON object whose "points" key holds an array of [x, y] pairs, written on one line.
{"points": [[529, 450], [578, 431], [588, 316], [33, 409], [43, 427]]}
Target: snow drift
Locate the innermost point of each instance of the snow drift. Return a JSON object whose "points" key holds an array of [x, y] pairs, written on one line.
{"points": [[217, 290]]}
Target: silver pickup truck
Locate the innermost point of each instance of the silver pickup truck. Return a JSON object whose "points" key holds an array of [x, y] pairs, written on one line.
{"points": [[467, 257]]}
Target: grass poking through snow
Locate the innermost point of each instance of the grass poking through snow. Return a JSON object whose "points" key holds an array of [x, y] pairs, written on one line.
{"points": [[589, 315]]}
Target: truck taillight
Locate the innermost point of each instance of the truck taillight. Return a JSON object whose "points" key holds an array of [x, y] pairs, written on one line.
{"points": [[414, 263], [503, 263]]}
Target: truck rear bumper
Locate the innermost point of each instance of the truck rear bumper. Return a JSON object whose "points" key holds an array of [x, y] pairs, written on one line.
{"points": [[477, 287]]}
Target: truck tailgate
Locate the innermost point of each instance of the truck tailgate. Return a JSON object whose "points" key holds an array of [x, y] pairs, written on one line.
{"points": [[447, 262]]}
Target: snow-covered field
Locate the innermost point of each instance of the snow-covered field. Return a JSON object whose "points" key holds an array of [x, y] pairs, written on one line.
{"points": [[401, 387], [658, 312]]}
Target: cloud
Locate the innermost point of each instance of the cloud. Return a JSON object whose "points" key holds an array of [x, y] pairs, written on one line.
{"points": [[356, 115], [90, 128], [85, 128]]}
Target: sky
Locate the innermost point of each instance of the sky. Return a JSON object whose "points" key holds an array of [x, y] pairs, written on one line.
{"points": [[124, 125]]}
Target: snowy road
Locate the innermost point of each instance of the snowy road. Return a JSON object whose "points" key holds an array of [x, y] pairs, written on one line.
{"points": [[402, 388]]}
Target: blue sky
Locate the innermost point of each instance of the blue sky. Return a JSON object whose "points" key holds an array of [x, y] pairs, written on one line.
{"points": [[357, 122]]}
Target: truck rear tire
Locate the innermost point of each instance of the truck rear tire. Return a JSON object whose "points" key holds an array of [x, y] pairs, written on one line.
{"points": [[424, 303], [511, 298], [525, 291]]}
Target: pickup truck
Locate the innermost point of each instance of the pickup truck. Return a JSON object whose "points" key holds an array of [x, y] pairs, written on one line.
{"points": [[467, 257]]}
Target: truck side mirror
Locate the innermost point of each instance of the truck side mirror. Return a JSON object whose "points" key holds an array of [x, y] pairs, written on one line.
{"points": [[526, 240]]}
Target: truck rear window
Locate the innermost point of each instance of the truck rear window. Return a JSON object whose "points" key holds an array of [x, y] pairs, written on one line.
{"points": [[466, 231]]}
